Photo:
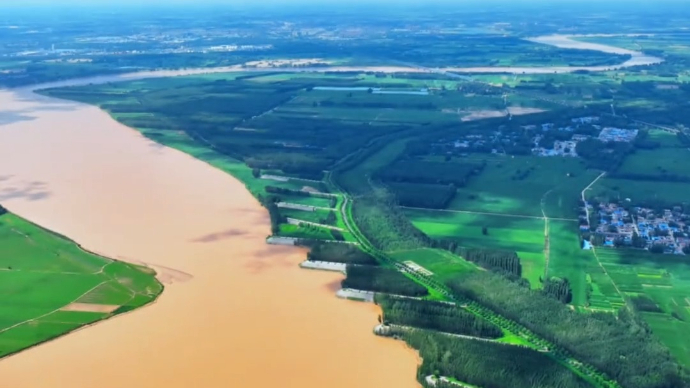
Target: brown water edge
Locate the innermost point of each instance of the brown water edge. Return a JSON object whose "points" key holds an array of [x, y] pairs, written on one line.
{"points": [[238, 312]]}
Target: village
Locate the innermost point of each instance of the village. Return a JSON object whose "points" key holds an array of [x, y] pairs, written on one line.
{"points": [[548, 139], [612, 225]]}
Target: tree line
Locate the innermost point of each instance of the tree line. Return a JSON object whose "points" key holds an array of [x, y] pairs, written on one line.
{"points": [[486, 364], [377, 279], [339, 253], [622, 345], [438, 316], [501, 261], [559, 289], [428, 196]]}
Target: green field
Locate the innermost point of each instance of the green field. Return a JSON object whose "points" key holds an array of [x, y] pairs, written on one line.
{"points": [[41, 274], [494, 190], [672, 161], [520, 234], [440, 263], [665, 279], [641, 191]]}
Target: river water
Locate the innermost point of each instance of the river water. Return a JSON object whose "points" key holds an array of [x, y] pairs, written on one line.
{"points": [[235, 312]]}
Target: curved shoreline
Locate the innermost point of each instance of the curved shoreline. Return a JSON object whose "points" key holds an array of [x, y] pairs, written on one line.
{"points": [[99, 191], [560, 41], [28, 93]]}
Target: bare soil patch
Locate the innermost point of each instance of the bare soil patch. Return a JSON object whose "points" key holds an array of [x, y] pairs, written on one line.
{"points": [[90, 308]]}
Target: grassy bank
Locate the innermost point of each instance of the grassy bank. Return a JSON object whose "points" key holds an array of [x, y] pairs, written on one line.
{"points": [[51, 286]]}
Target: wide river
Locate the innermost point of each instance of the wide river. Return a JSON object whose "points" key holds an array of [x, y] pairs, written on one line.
{"points": [[235, 312]]}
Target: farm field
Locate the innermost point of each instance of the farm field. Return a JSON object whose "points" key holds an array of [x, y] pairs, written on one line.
{"points": [[522, 235], [662, 279], [641, 191], [659, 162], [440, 263], [50, 286], [494, 190]]}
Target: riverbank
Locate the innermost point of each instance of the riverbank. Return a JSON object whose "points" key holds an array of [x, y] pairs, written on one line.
{"points": [[560, 41]]}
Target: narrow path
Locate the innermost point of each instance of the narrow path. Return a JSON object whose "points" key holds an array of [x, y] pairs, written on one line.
{"points": [[547, 242], [54, 311], [584, 199]]}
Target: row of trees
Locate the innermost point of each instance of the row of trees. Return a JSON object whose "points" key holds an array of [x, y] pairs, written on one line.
{"points": [[384, 225], [621, 346], [487, 364], [559, 289], [377, 279], [505, 262], [437, 316], [284, 191], [339, 253], [417, 171], [428, 196]]}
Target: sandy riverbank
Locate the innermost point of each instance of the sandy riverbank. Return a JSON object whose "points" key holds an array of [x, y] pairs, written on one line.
{"points": [[235, 312]]}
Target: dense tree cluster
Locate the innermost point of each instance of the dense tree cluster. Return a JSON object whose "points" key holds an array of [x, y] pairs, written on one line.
{"points": [[429, 196], [507, 262], [2, 210], [377, 279], [487, 364], [339, 253], [645, 303], [284, 191], [621, 346], [384, 225], [437, 316], [559, 289], [603, 155], [416, 171], [273, 212]]}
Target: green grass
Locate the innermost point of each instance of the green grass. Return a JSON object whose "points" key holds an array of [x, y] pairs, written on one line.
{"points": [[665, 279], [494, 190], [568, 260], [443, 264], [641, 191], [309, 201], [41, 272], [664, 138], [656, 162], [522, 235]]}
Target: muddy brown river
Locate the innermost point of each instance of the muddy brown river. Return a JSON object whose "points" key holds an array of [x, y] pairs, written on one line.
{"points": [[235, 312]]}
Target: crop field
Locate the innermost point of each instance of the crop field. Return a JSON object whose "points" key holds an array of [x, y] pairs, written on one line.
{"points": [[522, 235], [641, 191], [659, 162], [50, 286], [494, 190], [591, 286], [665, 280]]}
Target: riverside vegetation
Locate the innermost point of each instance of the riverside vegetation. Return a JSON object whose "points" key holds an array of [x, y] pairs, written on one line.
{"points": [[426, 186]]}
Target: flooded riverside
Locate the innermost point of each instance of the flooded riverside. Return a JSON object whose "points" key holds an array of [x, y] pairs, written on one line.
{"points": [[235, 312]]}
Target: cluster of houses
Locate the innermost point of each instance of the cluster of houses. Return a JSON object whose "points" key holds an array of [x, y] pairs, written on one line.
{"points": [[667, 231], [568, 147], [617, 134]]}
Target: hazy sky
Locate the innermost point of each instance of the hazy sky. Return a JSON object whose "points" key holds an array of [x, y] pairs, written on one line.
{"points": [[167, 2]]}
